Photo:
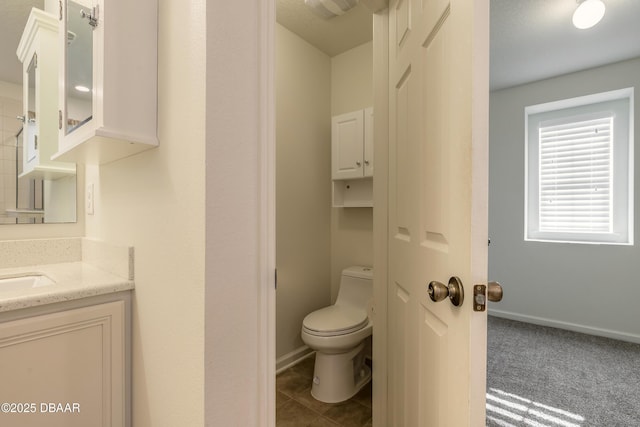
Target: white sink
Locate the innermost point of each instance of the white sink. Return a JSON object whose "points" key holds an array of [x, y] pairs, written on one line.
{"points": [[24, 281]]}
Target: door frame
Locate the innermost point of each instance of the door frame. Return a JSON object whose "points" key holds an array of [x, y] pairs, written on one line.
{"points": [[380, 214], [266, 155]]}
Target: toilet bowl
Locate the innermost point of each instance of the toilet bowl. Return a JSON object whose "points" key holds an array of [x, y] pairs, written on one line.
{"points": [[337, 333]]}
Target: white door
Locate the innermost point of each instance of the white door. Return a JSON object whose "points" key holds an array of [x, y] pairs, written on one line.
{"points": [[438, 103]]}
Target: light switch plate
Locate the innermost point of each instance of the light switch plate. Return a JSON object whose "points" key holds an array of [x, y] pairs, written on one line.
{"points": [[90, 202]]}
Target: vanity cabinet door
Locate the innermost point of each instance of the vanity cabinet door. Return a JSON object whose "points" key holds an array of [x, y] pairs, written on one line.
{"points": [[65, 369]]}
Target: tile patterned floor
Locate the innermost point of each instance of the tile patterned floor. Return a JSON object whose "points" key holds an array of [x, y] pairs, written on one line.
{"points": [[295, 407]]}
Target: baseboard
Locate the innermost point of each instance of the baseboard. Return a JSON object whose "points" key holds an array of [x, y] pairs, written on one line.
{"points": [[621, 336], [292, 358]]}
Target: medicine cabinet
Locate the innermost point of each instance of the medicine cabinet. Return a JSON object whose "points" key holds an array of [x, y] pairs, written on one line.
{"points": [[352, 158], [108, 84], [38, 52]]}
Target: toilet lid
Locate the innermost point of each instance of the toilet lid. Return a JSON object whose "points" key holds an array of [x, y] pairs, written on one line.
{"points": [[335, 320]]}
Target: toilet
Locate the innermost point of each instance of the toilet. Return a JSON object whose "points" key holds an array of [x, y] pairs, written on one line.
{"points": [[337, 333]]}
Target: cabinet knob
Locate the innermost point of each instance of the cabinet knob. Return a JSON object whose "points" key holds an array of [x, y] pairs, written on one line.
{"points": [[366, 162], [358, 164]]}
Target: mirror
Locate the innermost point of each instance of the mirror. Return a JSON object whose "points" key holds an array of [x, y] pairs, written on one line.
{"points": [[45, 194], [79, 66]]}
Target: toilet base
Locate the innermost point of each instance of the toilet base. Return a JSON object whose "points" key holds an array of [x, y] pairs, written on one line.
{"points": [[338, 377]]}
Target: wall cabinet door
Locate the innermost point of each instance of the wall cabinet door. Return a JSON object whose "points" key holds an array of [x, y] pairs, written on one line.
{"points": [[347, 138], [368, 142], [38, 52], [65, 368]]}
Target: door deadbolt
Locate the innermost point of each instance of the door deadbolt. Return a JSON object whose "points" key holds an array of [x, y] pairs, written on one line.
{"points": [[454, 290]]}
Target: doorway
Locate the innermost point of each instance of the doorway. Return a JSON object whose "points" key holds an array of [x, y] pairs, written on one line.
{"points": [[553, 284], [321, 71]]}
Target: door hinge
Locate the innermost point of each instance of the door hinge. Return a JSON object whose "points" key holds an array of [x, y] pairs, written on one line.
{"points": [[91, 17], [59, 119], [60, 2], [35, 142], [276, 279]]}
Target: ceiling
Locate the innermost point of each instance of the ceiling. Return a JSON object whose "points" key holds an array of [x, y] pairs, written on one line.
{"points": [[535, 39], [530, 39], [13, 17], [332, 36]]}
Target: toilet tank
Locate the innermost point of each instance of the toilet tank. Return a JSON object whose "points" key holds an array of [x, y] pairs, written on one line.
{"points": [[356, 287]]}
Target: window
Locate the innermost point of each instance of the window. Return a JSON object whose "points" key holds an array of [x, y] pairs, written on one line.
{"points": [[579, 169]]}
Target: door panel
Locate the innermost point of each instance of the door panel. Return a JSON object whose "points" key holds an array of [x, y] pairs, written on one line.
{"points": [[437, 210]]}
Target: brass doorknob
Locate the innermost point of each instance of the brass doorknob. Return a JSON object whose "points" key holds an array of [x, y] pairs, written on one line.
{"points": [[454, 290], [494, 291]]}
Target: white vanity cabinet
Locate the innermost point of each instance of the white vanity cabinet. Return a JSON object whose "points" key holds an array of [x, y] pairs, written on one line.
{"points": [[66, 368], [38, 52], [108, 85], [352, 158]]}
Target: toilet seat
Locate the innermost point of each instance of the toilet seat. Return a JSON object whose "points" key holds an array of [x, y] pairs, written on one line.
{"points": [[335, 320]]}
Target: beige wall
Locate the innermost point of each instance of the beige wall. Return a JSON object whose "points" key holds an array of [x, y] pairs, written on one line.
{"points": [[155, 201], [314, 241], [303, 190], [352, 79], [351, 228]]}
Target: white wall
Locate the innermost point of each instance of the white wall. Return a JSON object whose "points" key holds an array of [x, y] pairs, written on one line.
{"points": [[303, 190], [155, 201], [351, 228], [60, 199], [591, 288]]}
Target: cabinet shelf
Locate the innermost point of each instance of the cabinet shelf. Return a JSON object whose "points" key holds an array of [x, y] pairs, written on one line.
{"points": [[51, 172], [353, 193]]}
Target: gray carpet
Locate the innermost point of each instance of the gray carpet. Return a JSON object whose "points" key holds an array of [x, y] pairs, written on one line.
{"points": [[539, 376]]}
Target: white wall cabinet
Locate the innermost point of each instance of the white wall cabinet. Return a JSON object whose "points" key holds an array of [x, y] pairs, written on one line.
{"points": [[38, 52], [108, 85], [352, 145], [352, 158], [74, 359]]}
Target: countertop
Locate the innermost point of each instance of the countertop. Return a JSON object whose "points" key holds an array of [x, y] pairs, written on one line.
{"points": [[73, 280]]}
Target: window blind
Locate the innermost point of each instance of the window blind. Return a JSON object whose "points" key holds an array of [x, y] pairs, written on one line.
{"points": [[576, 176]]}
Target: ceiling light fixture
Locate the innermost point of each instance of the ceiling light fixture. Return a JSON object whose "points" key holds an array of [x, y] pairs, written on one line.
{"points": [[588, 13], [330, 8], [81, 88]]}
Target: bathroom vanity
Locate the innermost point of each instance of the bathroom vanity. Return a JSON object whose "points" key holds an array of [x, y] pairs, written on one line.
{"points": [[65, 331]]}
